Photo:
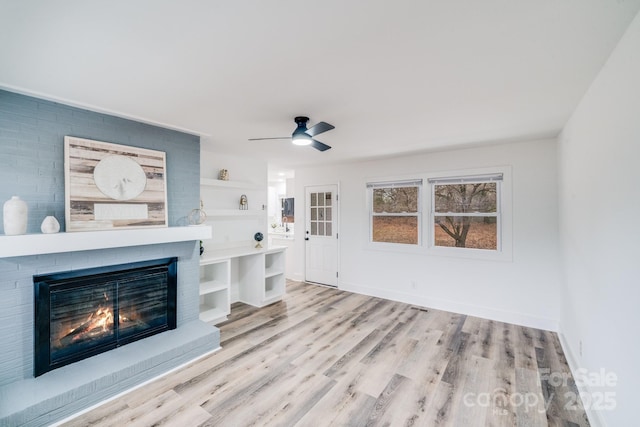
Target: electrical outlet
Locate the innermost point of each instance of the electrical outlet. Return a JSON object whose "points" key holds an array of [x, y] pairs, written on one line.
{"points": [[580, 349]]}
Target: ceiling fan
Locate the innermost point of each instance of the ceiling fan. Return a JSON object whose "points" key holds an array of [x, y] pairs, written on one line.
{"points": [[303, 136]]}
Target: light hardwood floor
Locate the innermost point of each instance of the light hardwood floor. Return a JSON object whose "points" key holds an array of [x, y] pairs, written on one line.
{"points": [[326, 357]]}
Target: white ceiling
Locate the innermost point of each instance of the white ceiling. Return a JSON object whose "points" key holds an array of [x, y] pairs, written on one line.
{"points": [[393, 77]]}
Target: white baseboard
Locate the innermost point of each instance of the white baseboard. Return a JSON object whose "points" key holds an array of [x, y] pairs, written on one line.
{"points": [[594, 416], [455, 307], [298, 277]]}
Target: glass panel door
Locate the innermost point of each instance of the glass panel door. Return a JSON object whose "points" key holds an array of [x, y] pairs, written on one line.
{"points": [[321, 213]]}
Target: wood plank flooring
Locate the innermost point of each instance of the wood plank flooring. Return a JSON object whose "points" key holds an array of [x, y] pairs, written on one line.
{"points": [[324, 357]]}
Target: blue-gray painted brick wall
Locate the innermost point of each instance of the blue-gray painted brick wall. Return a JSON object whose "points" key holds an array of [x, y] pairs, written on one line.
{"points": [[32, 135]]}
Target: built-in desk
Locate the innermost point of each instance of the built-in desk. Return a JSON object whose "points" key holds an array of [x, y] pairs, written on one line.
{"points": [[287, 240], [252, 276]]}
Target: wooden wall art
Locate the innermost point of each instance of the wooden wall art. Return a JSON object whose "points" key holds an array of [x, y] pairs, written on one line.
{"points": [[111, 186]]}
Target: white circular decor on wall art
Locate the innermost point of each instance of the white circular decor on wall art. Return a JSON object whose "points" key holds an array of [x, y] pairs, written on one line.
{"points": [[119, 177]]}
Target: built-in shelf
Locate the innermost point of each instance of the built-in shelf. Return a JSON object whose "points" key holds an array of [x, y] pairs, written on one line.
{"points": [[38, 244], [273, 289], [257, 275], [270, 272], [235, 252], [234, 212], [215, 304], [208, 182], [274, 281], [215, 309], [212, 286]]}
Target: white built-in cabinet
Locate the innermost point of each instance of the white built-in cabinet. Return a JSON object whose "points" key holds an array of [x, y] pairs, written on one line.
{"points": [[274, 276], [231, 268], [252, 276], [215, 290]]}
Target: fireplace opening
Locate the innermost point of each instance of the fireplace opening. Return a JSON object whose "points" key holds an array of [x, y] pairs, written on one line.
{"points": [[81, 313]]}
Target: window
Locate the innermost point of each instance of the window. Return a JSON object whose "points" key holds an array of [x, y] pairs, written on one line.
{"points": [[465, 212], [321, 215], [395, 211]]}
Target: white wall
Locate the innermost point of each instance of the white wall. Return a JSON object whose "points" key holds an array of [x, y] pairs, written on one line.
{"points": [[231, 231], [523, 291], [277, 191], [599, 164]]}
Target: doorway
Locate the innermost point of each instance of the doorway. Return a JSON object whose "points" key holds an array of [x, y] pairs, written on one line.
{"points": [[321, 234]]}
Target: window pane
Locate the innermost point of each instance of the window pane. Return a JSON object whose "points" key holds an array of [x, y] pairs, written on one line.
{"points": [[466, 232], [314, 228], [465, 198], [314, 214], [327, 229], [395, 229], [395, 200], [328, 214], [320, 214], [321, 229], [314, 199], [327, 198], [320, 199]]}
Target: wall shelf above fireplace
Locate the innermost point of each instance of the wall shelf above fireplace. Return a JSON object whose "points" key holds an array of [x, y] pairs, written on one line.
{"points": [[38, 244]]}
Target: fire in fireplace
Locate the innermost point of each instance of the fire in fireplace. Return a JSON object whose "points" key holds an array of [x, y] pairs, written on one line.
{"points": [[82, 313]]}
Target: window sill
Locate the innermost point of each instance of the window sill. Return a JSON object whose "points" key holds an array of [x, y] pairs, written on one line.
{"points": [[441, 251], [468, 253]]}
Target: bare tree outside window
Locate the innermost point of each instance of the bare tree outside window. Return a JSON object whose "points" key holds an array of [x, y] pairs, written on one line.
{"points": [[395, 200], [395, 215], [465, 215]]}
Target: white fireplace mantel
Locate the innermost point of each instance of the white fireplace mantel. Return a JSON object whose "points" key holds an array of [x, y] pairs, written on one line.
{"points": [[38, 244]]}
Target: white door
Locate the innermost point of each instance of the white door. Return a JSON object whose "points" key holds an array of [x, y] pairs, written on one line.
{"points": [[321, 234]]}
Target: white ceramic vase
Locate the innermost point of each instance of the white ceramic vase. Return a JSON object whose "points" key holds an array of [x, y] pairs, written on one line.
{"points": [[50, 225], [15, 213]]}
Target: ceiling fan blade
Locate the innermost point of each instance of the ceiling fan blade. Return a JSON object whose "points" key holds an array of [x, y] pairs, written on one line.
{"points": [[319, 128], [319, 145], [264, 139]]}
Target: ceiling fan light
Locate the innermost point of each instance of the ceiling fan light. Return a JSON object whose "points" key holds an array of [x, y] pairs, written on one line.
{"points": [[301, 139]]}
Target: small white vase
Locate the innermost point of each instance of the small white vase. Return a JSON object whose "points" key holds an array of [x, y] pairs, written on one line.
{"points": [[50, 225], [15, 213]]}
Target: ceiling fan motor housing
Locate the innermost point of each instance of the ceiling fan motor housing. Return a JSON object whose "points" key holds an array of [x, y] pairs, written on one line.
{"points": [[300, 135], [301, 120]]}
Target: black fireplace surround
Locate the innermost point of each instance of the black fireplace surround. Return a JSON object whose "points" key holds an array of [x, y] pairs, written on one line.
{"points": [[81, 313]]}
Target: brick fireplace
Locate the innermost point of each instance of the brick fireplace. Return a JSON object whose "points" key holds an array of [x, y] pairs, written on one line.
{"points": [[31, 145], [29, 400]]}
